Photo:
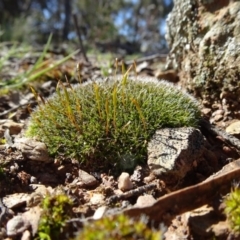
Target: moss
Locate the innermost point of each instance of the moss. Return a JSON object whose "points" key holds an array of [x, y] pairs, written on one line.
{"points": [[56, 210], [232, 209], [110, 121], [116, 228]]}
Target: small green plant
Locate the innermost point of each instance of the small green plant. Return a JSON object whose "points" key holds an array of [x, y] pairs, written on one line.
{"points": [[116, 228], [232, 209], [110, 121], [56, 210]]}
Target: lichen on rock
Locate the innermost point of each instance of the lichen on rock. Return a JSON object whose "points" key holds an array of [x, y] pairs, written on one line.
{"points": [[204, 38], [175, 152]]}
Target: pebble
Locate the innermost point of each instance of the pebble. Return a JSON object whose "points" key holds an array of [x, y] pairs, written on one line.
{"points": [[149, 178], [99, 213], [16, 200], [26, 235], [216, 106], [124, 182], [14, 128], [97, 199], [234, 128], [87, 179], [32, 149], [145, 200], [206, 111], [218, 117], [218, 112], [137, 174], [33, 179], [16, 225], [14, 168]]}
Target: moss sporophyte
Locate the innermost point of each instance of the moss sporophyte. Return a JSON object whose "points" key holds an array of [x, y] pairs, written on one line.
{"points": [[110, 121]]}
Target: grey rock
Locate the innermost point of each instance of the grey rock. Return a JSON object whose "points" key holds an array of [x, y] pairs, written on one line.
{"points": [[86, 179], [16, 200], [204, 42], [175, 151], [32, 149], [17, 225]]}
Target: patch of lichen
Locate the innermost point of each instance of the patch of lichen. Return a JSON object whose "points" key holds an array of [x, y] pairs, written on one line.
{"points": [[232, 209], [110, 121], [57, 210], [116, 228]]}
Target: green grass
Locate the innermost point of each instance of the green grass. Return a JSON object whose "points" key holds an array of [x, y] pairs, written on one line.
{"points": [[110, 121], [33, 73]]}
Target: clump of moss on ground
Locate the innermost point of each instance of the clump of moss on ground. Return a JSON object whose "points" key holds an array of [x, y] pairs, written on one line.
{"points": [[110, 121], [57, 210], [232, 209], [116, 228]]}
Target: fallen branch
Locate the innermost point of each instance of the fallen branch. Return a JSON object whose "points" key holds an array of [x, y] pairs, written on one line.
{"points": [[187, 199], [135, 192]]}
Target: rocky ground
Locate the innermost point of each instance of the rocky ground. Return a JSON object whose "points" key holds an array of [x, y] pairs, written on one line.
{"points": [[188, 206]]}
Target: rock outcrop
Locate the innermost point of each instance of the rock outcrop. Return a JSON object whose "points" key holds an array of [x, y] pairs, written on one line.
{"points": [[204, 38]]}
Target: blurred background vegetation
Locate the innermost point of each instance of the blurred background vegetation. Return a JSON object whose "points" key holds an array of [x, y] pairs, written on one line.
{"points": [[130, 26]]}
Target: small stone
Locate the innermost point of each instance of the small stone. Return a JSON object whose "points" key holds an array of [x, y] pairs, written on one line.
{"points": [[35, 199], [124, 182], [17, 225], [12, 169], [32, 149], [137, 174], [99, 213], [33, 217], [145, 200], [149, 178], [39, 188], [125, 204], [33, 179], [14, 128], [61, 168], [26, 235], [216, 106], [234, 128], [221, 229], [97, 199], [218, 117], [16, 200], [87, 179], [218, 112], [206, 111]]}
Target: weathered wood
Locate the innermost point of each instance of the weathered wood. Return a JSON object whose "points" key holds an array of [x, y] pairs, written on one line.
{"points": [[187, 199]]}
